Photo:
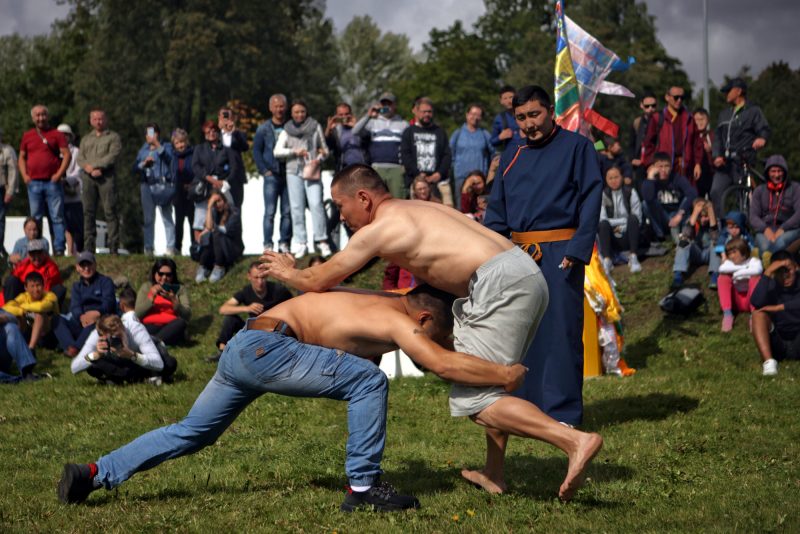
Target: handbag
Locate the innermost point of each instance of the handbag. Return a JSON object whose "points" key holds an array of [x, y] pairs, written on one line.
{"points": [[199, 190], [71, 189], [162, 191], [312, 170]]}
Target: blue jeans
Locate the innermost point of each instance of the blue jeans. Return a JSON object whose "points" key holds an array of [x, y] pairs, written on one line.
{"points": [[301, 191], [692, 254], [44, 194], [149, 212], [781, 243], [69, 332], [257, 362], [13, 347], [275, 189]]}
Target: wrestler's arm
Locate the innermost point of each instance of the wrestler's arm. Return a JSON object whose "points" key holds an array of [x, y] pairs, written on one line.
{"points": [[361, 248], [451, 366]]}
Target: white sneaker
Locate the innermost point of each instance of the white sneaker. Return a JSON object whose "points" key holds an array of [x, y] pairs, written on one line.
{"points": [[770, 367], [300, 251], [216, 274], [324, 249], [268, 247], [283, 248], [633, 264], [608, 265], [202, 274]]}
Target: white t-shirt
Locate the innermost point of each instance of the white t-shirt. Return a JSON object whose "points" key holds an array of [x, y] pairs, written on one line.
{"points": [[136, 339]]}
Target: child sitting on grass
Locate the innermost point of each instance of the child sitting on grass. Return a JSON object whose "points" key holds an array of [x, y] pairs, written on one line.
{"points": [[738, 276], [34, 309], [696, 244]]}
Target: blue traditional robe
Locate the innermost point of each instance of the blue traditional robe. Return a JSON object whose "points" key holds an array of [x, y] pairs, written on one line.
{"points": [[553, 185]]}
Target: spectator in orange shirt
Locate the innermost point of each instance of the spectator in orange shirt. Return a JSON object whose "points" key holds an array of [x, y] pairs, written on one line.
{"points": [[162, 303], [39, 261]]}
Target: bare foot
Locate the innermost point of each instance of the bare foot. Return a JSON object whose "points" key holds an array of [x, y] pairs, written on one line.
{"points": [[579, 461], [482, 481]]}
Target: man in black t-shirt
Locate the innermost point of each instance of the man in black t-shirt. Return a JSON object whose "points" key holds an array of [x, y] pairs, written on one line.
{"points": [[253, 299]]}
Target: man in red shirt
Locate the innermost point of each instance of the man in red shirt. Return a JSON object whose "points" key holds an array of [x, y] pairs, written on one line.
{"points": [[43, 160], [38, 261]]}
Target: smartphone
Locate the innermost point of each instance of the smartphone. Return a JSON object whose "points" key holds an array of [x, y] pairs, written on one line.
{"points": [[174, 288], [151, 132]]}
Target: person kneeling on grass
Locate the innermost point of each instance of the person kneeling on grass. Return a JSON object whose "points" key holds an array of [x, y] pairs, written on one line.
{"points": [[776, 319], [284, 351], [738, 276], [34, 308], [120, 350]]}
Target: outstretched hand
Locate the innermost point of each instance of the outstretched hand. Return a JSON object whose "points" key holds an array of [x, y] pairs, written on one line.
{"points": [[516, 377], [276, 264]]}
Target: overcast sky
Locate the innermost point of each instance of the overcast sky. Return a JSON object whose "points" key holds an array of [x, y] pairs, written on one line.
{"points": [[742, 32]]}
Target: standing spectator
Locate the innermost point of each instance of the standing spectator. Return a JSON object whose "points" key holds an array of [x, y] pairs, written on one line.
{"points": [[73, 189], [98, 154], [92, 296], [547, 198], [182, 152], [382, 128], [472, 189], [738, 276], [211, 163], [775, 209], [8, 186], [39, 261], [667, 197], [162, 303], [742, 129], [347, 147], [673, 132], [43, 161], [34, 309], [253, 299], [638, 132], [236, 140], [776, 321], [620, 219], [425, 151], [302, 145], [32, 230], [505, 129], [157, 187], [471, 148], [221, 239], [273, 172], [14, 348], [613, 156], [703, 124], [696, 244]]}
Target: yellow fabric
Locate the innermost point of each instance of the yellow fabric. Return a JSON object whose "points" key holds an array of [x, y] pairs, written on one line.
{"points": [[596, 284], [23, 303], [592, 361]]}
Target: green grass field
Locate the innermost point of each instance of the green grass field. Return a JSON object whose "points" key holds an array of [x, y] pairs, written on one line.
{"points": [[696, 441]]}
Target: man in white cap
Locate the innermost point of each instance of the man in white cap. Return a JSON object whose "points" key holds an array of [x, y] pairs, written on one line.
{"points": [[73, 206]]}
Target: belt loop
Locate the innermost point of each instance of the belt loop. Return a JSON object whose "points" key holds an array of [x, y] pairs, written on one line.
{"points": [[282, 327]]}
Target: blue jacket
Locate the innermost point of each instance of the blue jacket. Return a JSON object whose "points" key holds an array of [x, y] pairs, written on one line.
{"points": [[96, 293], [263, 145], [161, 167], [504, 119], [741, 221]]}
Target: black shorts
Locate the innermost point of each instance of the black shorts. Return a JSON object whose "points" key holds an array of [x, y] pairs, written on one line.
{"points": [[784, 348]]}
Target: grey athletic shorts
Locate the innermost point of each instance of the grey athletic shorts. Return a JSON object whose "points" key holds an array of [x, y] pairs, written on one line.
{"points": [[497, 321]]}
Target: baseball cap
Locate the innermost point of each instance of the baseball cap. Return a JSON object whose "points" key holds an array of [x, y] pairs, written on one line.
{"points": [[65, 129], [85, 256], [388, 96], [35, 245], [736, 82]]}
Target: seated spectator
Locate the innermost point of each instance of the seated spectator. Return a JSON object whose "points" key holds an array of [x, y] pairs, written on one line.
{"points": [[775, 209], [119, 350], [620, 219], [32, 230], [473, 187], [738, 276], [220, 242], [421, 190], [39, 261], [613, 156], [13, 348], [34, 309], [92, 296], [162, 303], [667, 197], [153, 166], [735, 226], [776, 315], [696, 244], [253, 299]]}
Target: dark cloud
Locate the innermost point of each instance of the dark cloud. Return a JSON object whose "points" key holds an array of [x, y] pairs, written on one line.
{"points": [[29, 17]]}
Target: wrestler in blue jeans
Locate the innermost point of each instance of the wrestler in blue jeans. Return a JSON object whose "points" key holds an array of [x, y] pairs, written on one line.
{"points": [[47, 197], [257, 362]]}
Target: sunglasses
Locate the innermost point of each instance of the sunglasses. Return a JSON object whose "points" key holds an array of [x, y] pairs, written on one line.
{"points": [[649, 106], [677, 97], [164, 273], [85, 264]]}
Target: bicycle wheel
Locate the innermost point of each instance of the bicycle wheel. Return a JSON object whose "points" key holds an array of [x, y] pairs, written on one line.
{"points": [[736, 198]]}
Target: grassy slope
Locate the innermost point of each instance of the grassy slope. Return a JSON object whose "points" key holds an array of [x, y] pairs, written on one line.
{"points": [[697, 440]]}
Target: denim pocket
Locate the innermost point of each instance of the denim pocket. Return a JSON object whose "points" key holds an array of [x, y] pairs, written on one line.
{"points": [[335, 358], [270, 364]]}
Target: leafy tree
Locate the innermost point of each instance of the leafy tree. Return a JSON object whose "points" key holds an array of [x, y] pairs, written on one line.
{"points": [[370, 62]]}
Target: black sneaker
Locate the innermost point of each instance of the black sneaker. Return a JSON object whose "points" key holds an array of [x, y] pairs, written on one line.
{"points": [[381, 497], [76, 483]]}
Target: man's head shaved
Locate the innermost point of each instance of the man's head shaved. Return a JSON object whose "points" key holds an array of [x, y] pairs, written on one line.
{"points": [[359, 176]]}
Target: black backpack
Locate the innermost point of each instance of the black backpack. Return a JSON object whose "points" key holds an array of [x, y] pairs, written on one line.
{"points": [[683, 301]]}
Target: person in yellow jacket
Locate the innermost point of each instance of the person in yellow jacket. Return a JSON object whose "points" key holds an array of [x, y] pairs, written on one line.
{"points": [[34, 309]]}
